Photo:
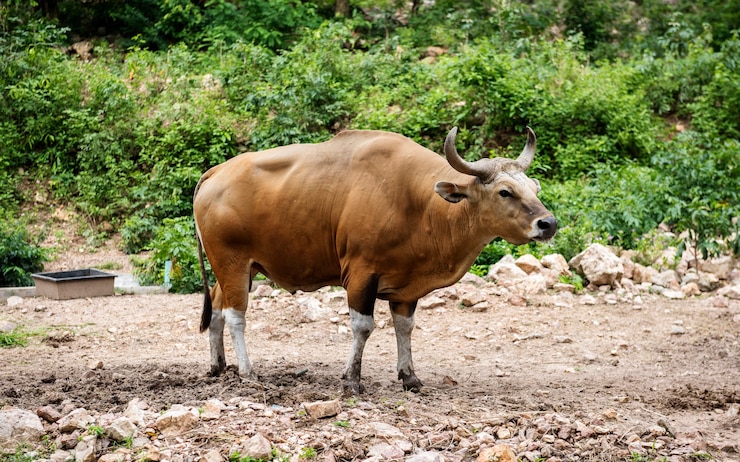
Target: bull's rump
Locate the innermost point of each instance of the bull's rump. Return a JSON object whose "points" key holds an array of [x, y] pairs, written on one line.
{"points": [[301, 213]]}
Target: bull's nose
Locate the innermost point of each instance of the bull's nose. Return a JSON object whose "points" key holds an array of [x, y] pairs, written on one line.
{"points": [[547, 226]]}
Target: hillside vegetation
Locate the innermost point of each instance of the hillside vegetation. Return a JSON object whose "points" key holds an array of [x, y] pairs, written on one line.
{"points": [[636, 107]]}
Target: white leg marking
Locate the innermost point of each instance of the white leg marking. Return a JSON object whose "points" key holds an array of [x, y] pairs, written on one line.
{"points": [[235, 320], [362, 327], [404, 325]]}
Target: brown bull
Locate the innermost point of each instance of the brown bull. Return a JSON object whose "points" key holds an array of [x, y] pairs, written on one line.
{"points": [[371, 211]]}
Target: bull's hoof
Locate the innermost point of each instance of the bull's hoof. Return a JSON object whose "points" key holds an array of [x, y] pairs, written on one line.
{"points": [[249, 376], [216, 370], [351, 388], [411, 383]]}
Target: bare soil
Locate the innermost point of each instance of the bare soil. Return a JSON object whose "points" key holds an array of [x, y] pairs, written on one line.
{"points": [[581, 362]]}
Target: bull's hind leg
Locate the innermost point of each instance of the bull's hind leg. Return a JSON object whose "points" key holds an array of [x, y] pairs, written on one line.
{"points": [[403, 322], [235, 288], [361, 300], [216, 332]]}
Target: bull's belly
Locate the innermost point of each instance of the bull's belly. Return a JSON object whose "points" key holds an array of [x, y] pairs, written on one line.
{"points": [[298, 276]]}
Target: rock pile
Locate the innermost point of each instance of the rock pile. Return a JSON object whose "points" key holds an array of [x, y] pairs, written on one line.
{"points": [[245, 430], [604, 271]]}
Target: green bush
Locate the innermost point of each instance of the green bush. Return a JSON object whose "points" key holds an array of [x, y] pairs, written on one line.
{"points": [[703, 174], [174, 242], [19, 257]]}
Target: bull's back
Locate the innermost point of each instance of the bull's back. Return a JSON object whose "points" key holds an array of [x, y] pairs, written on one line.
{"points": [[301, 212]]}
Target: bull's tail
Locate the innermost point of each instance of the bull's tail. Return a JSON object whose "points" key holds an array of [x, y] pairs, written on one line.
{"points": [[205, 317]]}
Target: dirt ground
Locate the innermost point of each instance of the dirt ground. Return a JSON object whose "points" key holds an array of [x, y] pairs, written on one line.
{"points": [[628, 366]]}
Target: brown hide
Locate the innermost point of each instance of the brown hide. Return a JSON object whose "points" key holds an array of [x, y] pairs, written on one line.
{"points": [[361, 205]]}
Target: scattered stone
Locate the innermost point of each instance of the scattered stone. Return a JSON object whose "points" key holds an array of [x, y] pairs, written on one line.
{"points": [[177, 421], [598, 265], [14, 301], [322, 409], [19, 426], [262, 291], [677, 330], [48, 413], [257, 447], [470, 278], [691, 289], [720, 266], [557, 263], [85, 449], [77, 419], [472, 298], [426, 456], [212, 409], [498, 453], [121, 429], [673, 294], [384, 430], [503, 433], [529, 263], [313, 310], [135, 413], [505, 271], [731, 292], [429, 302]]}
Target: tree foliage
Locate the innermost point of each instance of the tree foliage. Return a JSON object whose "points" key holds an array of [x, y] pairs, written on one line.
{"points": [[635, 104]]}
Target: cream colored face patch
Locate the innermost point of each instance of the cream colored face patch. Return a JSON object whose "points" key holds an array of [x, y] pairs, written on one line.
{"points": [[520, 178]]}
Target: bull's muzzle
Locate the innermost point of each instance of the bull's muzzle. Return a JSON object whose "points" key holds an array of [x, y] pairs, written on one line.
{"points": [[547, 228]]}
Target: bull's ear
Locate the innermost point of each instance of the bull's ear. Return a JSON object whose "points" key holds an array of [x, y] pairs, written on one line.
{"points": [[450, 191]]}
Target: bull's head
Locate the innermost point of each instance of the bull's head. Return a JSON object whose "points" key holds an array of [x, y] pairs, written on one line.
{"points": [[505, 197]]}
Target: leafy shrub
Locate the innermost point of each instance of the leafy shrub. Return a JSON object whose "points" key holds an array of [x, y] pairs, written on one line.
{"points": [[703, 174], [19, 257], [175, 242]]}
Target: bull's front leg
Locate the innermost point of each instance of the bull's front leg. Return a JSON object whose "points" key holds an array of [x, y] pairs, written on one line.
{"points": [[403, 323], [362, 326]]}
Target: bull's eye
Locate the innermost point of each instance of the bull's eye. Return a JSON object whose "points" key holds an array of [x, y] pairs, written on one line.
{"points": [[504, 193]]}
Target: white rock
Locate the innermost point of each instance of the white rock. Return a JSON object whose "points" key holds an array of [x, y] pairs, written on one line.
{"points": [[429, 302], [667, 279], [732, 292], [14, 300], [673, 294], [426, 456], [720, 266], [470, 298], [85, 449], [177, 421], [135, 413], [77, 419], [598, 264], [470, 278], [384, 430], [257, 447], [529, 264], [262, 291], [212, 409], [19, 426], [532, 284], [556, 262], [214, 455], [121, 429], [505, 271], [313, 310]]}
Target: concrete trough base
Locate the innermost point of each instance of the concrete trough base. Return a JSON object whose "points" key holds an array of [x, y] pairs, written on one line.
{"points": [[65, 285]]}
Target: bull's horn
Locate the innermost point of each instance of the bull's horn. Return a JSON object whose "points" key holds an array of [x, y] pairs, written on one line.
{"points": [[457, 162], [527, 155]]}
